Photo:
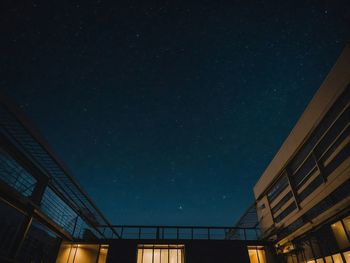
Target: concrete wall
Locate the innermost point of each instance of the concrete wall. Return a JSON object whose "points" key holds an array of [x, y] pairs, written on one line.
{"points": [[196, 251]]}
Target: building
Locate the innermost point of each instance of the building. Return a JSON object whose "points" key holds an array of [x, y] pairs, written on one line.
{"points": [[303, 197], [301, 213]]}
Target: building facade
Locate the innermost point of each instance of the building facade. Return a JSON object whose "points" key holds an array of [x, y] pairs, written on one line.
{"points": [[303, 197]]}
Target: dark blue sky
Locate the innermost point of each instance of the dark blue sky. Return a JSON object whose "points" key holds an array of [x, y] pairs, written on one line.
{"points": [[168, 112]]}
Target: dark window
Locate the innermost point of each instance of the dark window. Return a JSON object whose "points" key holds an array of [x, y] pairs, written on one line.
{"points": [[284, 200], [286, 212], [14, 175], [306, 169], [322, 127], [336, 196], [310, 188], [341, 157], [332, 133], [336, 144], [277, 188]]}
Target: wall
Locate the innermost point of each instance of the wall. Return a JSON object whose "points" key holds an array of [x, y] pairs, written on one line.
{"points": [[201, 251]]}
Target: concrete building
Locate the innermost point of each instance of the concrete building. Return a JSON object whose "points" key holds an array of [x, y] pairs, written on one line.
{"points": [[303, 197]]}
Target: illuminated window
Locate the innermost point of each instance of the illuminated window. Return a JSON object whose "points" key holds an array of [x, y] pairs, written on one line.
{"points": [[337, 258], [340, 235], [347, 256], [160, 254], [346, 222], [82, 253], [257, 254], [328, 259]]}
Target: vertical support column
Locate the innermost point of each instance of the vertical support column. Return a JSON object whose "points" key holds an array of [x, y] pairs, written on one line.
{"points": [[22, 233]]}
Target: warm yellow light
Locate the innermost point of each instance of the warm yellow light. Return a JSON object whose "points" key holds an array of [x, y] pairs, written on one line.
{"points": [[337, 258], [340, 235], [160, 253], [347, 256], [256, 254], [82, 253]]}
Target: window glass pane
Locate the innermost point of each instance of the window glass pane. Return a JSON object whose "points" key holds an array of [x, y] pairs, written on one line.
{"points": [[164, 255], [147, 256], [156, 256], [139, 255], [337, 258], [340, 234], [328, 259], [284, 200], [319, 260], [253, 256], [347, 256], [173, 256], [78, 253], [256, 255], [277, 188], [261, 254], [285, 212], [102, 258], [346, 222], [160, 254]]}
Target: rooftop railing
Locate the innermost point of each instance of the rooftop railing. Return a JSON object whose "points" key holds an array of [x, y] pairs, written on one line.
{"points": [[180, 232]]}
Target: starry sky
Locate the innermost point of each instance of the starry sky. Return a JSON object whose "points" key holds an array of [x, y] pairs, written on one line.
{"points": [[168, 112]]}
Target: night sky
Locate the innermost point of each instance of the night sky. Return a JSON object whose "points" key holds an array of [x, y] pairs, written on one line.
{"points": [[168, 112]]}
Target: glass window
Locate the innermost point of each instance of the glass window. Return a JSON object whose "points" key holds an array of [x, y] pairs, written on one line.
{"points": [[257, 254], [347, 256], [328, 259], [13, 174], [82, 253], [346, 222], [102, 258], [340, 235], [284, 200], [337, 258], [277, 188], [160, 254], [311, 187], [285, 212]]}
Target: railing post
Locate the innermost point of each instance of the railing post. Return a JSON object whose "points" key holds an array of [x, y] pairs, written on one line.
{"points": [[139, 232], [192, 233], [208, 233], [245, 234], [121, 232], [177, 233]]}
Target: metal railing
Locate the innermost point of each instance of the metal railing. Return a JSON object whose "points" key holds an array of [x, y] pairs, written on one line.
{"points": [[181, 232]]}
